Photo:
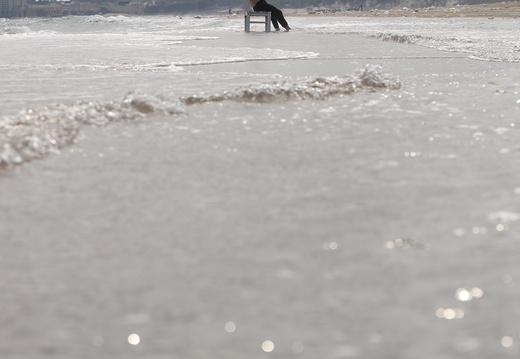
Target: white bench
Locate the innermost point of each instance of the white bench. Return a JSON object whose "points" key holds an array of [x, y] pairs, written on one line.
{"points": [[249, 12]]}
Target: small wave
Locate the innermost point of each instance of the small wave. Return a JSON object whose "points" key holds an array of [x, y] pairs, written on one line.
{"points": [[370, 78], [478, 48], [404, 39], [14, 30], [36, 133], [248, 54], [96, 19]]}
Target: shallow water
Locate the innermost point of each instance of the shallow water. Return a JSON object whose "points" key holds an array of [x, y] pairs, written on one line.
{"points": [[325, 194]]}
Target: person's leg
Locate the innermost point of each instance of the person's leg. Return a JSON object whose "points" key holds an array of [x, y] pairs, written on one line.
{"points": [[276, 14]]}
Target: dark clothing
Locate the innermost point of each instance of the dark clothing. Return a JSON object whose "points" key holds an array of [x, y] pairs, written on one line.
{"points": [[276, 14]]}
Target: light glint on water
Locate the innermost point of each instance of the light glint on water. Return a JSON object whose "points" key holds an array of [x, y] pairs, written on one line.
{"points": [[268, 346], [134, 339], [405, 243], [466, 294], [459, 232], [449, 313], [477, 292], [506, 341], [332, 246], [500, 227], [463, 295], [230, 327], [479, 230]]}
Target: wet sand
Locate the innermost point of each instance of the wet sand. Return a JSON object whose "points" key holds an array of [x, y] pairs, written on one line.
{"points": [[493, 10], [357, 226]]}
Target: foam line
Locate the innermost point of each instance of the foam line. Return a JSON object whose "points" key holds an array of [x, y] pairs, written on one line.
{"points": [[37, 133]]}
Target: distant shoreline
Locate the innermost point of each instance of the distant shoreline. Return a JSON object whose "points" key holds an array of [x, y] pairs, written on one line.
{"points": [[490, 10], [494, 10]]}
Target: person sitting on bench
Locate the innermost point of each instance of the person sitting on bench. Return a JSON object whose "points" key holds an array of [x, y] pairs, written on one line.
{"points": [[276, 14]]}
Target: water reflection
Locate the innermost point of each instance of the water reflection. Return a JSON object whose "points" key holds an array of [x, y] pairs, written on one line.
{"points": [[230, 327], [449, 313], [506, 341], [332, 246], [412, 154], [405, 243], [98, 341], [500, 227], [507, 279], [134, 339], [298, 347], [479, 230], [268, 346], [466, 294], [476, 230]]}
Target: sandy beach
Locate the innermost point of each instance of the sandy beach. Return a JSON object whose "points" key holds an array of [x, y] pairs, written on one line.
{"points": [[493, 10]]}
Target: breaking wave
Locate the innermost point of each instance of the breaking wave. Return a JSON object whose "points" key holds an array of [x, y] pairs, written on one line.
{"points": [[404, 39], [36, 133], [488, 41], [95, 19], [478, 48], [14, 30], [370, 78]]}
